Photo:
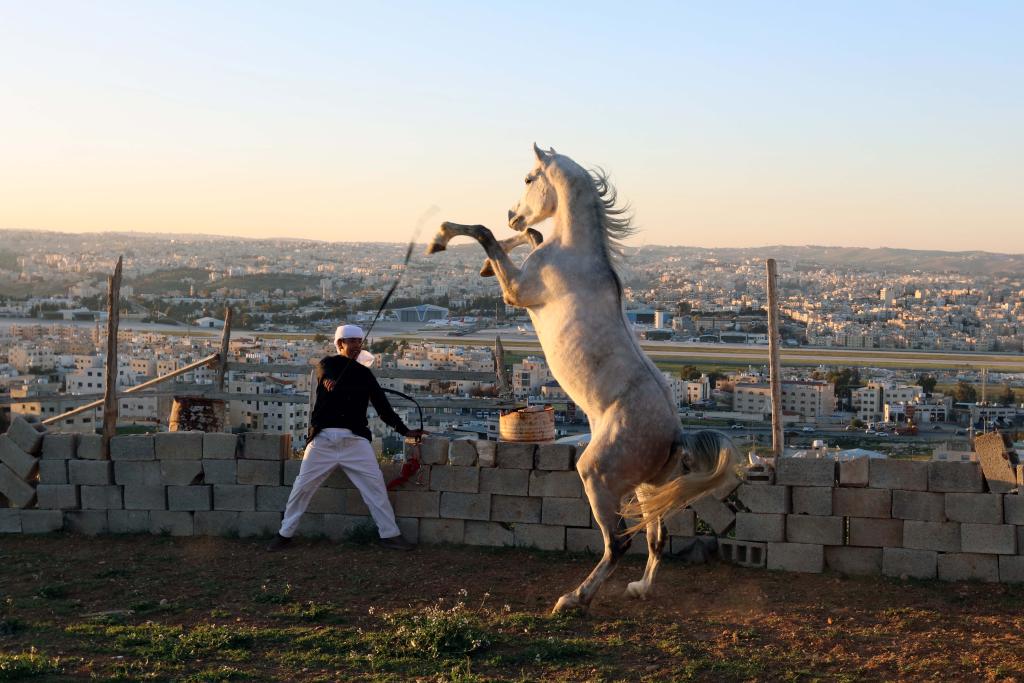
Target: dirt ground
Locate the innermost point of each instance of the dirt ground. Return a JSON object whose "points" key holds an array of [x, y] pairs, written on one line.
{"points": [[205, 609]]}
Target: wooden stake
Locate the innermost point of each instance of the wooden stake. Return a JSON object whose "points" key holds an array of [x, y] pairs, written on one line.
{"points": [[222, 361], [110, 376], [774, 367]]}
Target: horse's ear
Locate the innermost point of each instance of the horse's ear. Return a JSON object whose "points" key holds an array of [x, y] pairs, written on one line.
{"points": [[551, 151], [538, 152]]}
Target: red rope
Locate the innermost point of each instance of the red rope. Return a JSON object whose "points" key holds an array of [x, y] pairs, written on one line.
{"points": [[410, 467]]}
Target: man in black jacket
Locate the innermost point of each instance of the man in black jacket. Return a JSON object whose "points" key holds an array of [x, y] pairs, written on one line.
{"points": [[340, 437]]}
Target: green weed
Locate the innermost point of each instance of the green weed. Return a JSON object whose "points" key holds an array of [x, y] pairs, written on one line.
{"points": [[27, 665]]}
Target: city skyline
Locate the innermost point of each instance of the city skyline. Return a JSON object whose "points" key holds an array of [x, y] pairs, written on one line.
{"points": [[862, 126]]}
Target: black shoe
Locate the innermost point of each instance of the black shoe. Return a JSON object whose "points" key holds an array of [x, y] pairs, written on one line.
{"points": [[396, 543], [279, 543]]}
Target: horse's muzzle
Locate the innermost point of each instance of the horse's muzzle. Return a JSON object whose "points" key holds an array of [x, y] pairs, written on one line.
{"points": [[516, 222]]}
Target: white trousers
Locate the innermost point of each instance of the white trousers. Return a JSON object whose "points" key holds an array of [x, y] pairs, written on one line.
{"points": [[340, 448]]}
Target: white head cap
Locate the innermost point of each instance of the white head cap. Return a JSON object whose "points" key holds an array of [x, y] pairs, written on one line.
{"points": [[348, 332]]}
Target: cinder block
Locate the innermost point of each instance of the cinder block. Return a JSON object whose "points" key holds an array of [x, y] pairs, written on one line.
{"points": [[462, 453], [968, 567], [409, 526], [554, 456], [182, 472], [486, 453], [516, 509], [876, 533], [41, 521], [1013, 509], [90, 447], [811, 500], [324, 501], [742, 553], [128, 521], [907, 475], [234, 497], [259, 472], [764, 498], [555, 484], [796, 557], [101, 498], [132, 447], [730, 482], [174, 523], [417, 504], [215, 523], [310, 525], [505, 481], [763, 527], [258, 446], [862, 503], [23, 464], [759, 474], [714, 513], [259, 524], [854, 561], [919, 505], [854, 473], [465, 505], [10, 521], [338, 527], [516, 456], [678, 523], [998, 539], [976, 508], [995, 462], [905, 563], [57, 497], [487, 533], [274, 498], [291, 470], [1011, 568], [190, 498], [59, 446], [137, 473], [88, 522], [567, 512], [434, 450], [217, 446], [589, 541], [223, 471], [53, 471], [24, 435], [433, 531], [955, 477], [145, 498], [456, 479], [805, 472], [178, 446], [12, 487], [941, 536], [539, 536], [814, 530]]}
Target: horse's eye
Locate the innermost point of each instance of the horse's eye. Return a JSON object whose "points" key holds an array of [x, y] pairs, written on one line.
{"points": [[529, 180]]}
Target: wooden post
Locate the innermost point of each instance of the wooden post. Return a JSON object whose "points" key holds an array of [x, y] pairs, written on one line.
{"points": [[222, 361], [774, 369], [110, 376]]}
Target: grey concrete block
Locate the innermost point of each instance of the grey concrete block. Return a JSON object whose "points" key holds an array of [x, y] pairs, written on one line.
{"points": [[814, 530], [420, 481], [128, 521], [876, 533], [714, 513], [862, 502], [324, 501], [291, 469], [763, 527], [995, 462], [259, 446], [486, 453], [234, 497], [516, 456], [259, 472], [1011, 568], [743, 553], [189, 498], [178, 445], [41, 521], [941, 536], [132, 447], [539, 536], [434, 450], [258, 524], [998, 539], [488, 534], [59, 446], [417, 504], [907, 475], [968, 567], [410, 528], [18, 493], [90, 447], [434, 531], [764, 498], [811, 500], [340, 527], [53, 471], [854, 561], [465, 505], [23, 464], [57, 497], [462, 452], [87, 522], [555, 484], [730, 482], [215, 523], [678, 523], [10, 521], [274, 499], [339, 480], [101, 497], [955, 477], [505, 481], [24, 435], [456, 479], [1013, 509], [567, 512], [217, 446], [145, 498], [584, 541], [516, 509], [854, 473], [554, 456], [223, 472], [796, 557], [182, 472], [310, 525], [977, 508], [904, 563], [805, 472], [137, 473], [919, 505], [173, 523]]}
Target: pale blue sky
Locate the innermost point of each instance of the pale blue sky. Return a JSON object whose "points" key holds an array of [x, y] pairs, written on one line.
{"points": [[863, 124]]}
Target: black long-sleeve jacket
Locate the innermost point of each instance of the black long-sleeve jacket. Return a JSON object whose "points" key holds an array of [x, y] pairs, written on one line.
{"points": [[346, 405]]}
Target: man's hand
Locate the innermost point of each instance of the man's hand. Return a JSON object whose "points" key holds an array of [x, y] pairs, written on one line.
{"points": [[329, 384], [416, 433]]}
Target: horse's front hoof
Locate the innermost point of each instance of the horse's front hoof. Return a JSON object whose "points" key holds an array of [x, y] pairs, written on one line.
{"points": [[435, 247], [569, 604], [636, 589], [488, 269]]}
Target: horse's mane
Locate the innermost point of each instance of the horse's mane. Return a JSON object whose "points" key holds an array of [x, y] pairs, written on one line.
{"points": [[616, 221]]}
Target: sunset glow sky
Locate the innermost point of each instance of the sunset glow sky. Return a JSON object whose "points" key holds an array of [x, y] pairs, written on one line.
{"points": [[739, 124]]}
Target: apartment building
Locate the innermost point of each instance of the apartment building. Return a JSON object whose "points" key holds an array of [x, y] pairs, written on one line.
{"points": [[808, 399]]}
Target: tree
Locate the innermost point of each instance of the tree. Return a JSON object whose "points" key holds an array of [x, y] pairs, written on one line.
{"points": [[965, 393], [1008, 397], [689, 372], [927, 383], [845, 381], [714, 376], [683, 307]]}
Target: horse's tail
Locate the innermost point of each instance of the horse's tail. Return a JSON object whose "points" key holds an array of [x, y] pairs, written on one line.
{"points": [[708, 454]]}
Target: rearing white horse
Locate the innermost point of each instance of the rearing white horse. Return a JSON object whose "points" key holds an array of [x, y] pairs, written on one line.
{"points": [[573, 294]]}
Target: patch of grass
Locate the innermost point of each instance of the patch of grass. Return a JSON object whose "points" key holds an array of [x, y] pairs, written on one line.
{"points": [[216, 675], [274, 596], [173, 644], [434, 632], [29, 664], [53, 591], [309, 611], [363, 533], [9, 624]]}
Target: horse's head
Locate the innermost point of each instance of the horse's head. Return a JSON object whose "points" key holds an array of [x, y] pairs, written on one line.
{"points": [[539, 200]]}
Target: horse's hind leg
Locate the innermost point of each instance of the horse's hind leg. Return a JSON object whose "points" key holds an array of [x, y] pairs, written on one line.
{"points": [[656, 537]]}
